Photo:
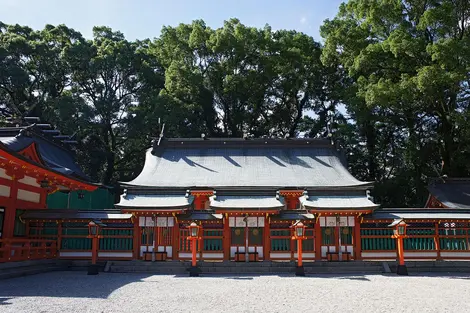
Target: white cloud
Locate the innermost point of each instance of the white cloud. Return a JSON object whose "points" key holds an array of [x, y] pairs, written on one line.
{"points": [[303, 20]]}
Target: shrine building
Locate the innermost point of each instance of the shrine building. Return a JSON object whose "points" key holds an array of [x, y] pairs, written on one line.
{"points": [[38, 171], [244, 193]]}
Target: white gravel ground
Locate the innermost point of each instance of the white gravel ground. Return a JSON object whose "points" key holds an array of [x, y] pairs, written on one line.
{"points": [[77, 292]]}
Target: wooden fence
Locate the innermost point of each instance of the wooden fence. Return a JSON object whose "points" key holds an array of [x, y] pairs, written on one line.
{"points": [[446, 240], [18, 249]]}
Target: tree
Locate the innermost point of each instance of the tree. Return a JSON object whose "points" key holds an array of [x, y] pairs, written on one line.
{"points": [[34, 75], [409, 64], [240, 80], [109, 74]]}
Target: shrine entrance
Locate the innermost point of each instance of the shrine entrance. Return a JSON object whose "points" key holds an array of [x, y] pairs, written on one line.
{"points": [[337, 238], [246, 233]]}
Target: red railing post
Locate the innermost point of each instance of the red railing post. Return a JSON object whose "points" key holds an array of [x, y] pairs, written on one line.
{"points": [[27, 247]]}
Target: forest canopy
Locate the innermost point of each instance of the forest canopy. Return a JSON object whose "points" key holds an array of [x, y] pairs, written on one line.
{"points": [[389, 84]]}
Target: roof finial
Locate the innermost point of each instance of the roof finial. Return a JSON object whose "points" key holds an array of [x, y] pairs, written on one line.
{"points": [[161, 133]]}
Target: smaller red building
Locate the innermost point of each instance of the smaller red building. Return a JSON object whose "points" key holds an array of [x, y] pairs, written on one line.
{"points": [[34, 161]]}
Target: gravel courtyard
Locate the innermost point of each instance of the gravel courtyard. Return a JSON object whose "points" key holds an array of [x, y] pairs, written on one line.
{"points": [[77, 292]]}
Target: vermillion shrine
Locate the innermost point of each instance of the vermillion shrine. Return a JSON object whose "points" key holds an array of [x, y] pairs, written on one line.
{"points": [[244, 195]]}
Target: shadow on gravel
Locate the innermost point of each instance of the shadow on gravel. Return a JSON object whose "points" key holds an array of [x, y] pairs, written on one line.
{"points": [[449, 275], [3, 301], [249, 276], [67, 284]]}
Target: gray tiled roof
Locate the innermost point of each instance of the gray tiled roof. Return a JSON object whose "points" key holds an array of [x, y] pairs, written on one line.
{"points": [[200, 216], [73, 214], [55, 157], [246, 202], [293, 215], [336, 202], [155, 201], [420, 213], [270, 163], [453, 193]]}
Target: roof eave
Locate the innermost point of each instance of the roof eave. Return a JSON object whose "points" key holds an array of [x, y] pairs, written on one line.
{"points": [[363, 186], [24, 159]]}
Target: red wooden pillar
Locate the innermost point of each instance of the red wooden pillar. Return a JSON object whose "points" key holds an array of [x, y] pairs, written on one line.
{"points": [[401, 254], [267, 240], [94, 249], [59, 235], [9, 223], [10, 211], [337, 234], [299, 252], [201, 241], [27, 230], [437, 242], [292, 245], [226, 240], [136, 239], [357, 238], [43, 198], [197, 202], [176, 239], [317, 240]]}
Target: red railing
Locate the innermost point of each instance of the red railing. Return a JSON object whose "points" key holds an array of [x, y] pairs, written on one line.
{"points": [[27, 249]]}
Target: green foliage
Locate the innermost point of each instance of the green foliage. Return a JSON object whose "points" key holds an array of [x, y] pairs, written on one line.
{"points": [[409, 65], [399, 69]]}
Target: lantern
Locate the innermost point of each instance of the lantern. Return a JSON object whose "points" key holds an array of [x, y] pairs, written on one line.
{"points": [[299, 235], [92, 229], [399, 233], [399, 228], [44, 183], [193, 230], [402, 228], [299, 230]]}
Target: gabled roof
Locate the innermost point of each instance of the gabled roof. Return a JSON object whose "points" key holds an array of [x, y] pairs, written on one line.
{"points": [[246, 202], [245, 163], [74, 215], [451, 192], [418, 214], [338, 202], [53, 155], [155, 201]]}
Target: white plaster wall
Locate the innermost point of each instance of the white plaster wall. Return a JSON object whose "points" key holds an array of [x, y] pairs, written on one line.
{"points": [[169, 250], [185, 255], [28, 180], [367, 255], [305, 255], [280, 255], [213, 255], [115, 254], [3, 174], [75, 254], [420, 254], [29, 196], [4, 191], [455, 254], [325, 250]]}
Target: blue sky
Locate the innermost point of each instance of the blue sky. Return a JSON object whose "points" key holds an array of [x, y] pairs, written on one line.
{"points": [[145, 18]]}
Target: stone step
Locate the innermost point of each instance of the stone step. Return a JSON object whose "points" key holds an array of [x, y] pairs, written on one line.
{"points": [[431, 269], [242, 268], [243, 264], [167, 271], [28, 270]]}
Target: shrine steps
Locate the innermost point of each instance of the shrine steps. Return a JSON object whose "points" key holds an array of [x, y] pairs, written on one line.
{"points": [[24, 268], [434, 266], [256, 268]]}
